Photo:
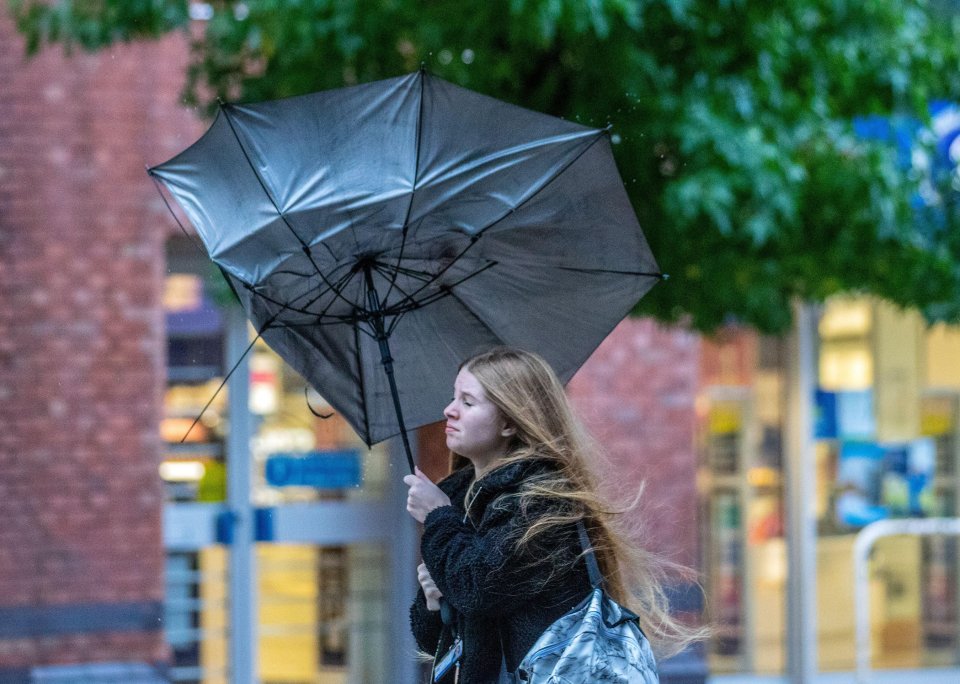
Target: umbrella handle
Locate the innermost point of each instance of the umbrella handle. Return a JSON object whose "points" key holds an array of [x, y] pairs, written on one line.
{"points": [[447, 614]]}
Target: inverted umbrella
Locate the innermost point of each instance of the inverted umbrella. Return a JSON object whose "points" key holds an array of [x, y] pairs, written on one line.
{"points": [[379, 234]]}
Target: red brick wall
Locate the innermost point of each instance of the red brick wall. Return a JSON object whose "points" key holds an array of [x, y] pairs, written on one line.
{"points": [[81, 340], [636, 395], [730, 357]]}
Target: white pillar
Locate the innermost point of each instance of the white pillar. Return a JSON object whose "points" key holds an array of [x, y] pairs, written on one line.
{"points": [[404, 550], [242, 567], [799, 492]]}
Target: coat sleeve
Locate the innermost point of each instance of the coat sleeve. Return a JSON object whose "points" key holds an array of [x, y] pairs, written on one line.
{"points": [[425, 624], [480, 571]]}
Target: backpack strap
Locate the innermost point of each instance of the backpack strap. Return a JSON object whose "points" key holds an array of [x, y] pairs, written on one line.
{"points": [[593, 569]]}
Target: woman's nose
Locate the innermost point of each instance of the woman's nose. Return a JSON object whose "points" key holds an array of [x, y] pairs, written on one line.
{"points": [[448, 412]]}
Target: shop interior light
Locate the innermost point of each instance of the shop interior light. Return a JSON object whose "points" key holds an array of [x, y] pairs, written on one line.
{"points": [[845, 366], [762, 476], [177, 428], [182, 471], [846, 317], [182, 292], [264, 383]]}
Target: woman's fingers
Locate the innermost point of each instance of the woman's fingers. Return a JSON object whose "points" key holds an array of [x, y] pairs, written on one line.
{"points": [[423, 495], [430, 591]]}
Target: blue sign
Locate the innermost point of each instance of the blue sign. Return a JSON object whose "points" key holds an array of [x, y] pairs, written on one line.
{"points": [[825, 415], [319, 469], [844, 415]]}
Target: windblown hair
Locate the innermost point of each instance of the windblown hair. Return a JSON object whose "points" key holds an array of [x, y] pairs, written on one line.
{"points": [[528, 393]]}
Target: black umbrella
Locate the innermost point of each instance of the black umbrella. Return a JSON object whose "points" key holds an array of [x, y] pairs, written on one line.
{"points": [[402, 225]]}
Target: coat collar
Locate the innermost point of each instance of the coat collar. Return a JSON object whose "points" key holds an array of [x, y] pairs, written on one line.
{"points": [[501, 480]]}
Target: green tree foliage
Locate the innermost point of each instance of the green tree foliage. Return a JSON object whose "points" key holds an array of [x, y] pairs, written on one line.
{"points": [[732, 119]]}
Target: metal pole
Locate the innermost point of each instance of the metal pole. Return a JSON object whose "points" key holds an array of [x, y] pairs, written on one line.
{"points": [[799, 494], [403, 554], [242, 568]]}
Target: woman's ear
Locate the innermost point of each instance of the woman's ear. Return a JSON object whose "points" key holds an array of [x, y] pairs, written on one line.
{"points": [[508, 430]]}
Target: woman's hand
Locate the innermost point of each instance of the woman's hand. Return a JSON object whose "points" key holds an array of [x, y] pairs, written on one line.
{"points": [[423, 496], [429, 588]]}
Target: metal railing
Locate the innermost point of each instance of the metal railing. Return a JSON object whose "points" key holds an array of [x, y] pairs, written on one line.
{"points": [[862, 547]]}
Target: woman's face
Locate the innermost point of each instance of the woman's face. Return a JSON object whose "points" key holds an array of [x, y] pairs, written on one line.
{"points": [[475, 427]]}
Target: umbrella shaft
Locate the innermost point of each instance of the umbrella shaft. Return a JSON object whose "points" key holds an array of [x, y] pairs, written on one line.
{"points": [[387, 360]]}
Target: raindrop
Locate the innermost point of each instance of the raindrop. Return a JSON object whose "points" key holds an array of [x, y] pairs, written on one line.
{"points": [[445, 56], [467, 56], [241, 11], [615, 139]]}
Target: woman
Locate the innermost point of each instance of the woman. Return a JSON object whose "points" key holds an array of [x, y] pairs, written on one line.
{"points": [[500, 540]]}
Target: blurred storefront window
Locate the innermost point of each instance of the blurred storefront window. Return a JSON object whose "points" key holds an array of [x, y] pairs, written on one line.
{"points": [[886, 446], [322, 614]]}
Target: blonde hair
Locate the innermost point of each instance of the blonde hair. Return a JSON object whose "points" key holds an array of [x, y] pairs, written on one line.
{"points": [[528, 393]]}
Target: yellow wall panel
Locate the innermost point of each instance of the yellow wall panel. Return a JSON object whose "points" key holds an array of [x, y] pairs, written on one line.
{"points": [[943, 357], [899, 348]]}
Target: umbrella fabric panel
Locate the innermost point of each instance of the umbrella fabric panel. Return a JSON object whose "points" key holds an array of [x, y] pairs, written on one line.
{"points": [[583, 219], [221, 195], [572, 312], [335, 161], [329, 363], [335, 148], [479, 157]]}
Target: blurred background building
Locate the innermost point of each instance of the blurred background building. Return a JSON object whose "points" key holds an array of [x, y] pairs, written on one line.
{"points": [[119, 537]]}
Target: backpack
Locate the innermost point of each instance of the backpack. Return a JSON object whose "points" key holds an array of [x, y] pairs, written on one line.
{"points": [[598, 641]]}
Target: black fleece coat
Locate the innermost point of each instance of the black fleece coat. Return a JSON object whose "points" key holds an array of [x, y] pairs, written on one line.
{"points": [[500, 594]]}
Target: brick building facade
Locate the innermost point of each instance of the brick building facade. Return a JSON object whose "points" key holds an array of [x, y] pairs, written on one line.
{"points": [[82, 235], [82, 350]]}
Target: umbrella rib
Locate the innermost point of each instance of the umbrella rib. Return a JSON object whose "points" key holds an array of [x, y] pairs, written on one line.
{"points": [[647, 274], [345, 320], [363, 388], [304, 246], [444, 291], [270, 299], [338, 287], [228, 376], [385, 272], [436, 276], [193, 238], [422, 276], [288, 307], [413, 190], [331, 287]]}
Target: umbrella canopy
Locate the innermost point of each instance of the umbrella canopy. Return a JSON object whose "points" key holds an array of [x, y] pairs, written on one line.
{"points": [[417, 222]]}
